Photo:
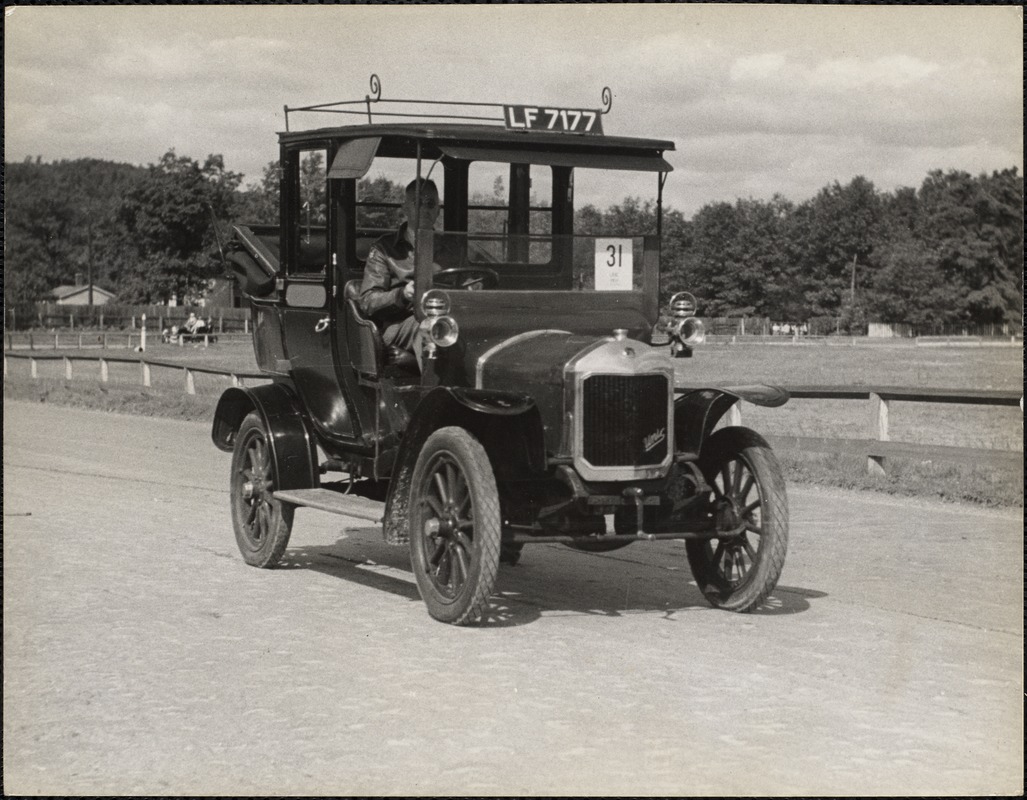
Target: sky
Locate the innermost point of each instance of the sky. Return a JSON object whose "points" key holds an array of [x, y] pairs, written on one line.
{"points": [[758, 99]]}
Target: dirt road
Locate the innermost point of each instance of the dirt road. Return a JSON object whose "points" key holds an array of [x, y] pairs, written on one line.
{"points": [[141, 655]]}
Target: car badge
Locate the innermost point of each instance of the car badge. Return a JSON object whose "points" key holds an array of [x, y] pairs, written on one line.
{"points": [[653, 439]]}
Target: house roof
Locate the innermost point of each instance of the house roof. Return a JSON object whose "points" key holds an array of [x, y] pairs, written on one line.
{"points": [[62, 292]]}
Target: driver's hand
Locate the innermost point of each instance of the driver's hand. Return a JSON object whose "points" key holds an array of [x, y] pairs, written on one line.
{"points": [[408, 291]]}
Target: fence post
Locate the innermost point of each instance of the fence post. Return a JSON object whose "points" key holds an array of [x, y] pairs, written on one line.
{"points": [[206, 342], [33, 369], [146, 373], [190, 384], [80, 341], [142, 335], [68, 373], [221, 322], [5, 365], [734, 414], [246, 325], [101, 320], [878, 431], [56, 336], [32, 344], [104, 374], [71, 321]]}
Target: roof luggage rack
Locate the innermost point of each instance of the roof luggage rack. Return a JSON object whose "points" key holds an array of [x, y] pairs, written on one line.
{"points": [[515, 116]]}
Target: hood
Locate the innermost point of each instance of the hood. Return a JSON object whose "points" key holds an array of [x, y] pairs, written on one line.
{"points": [[533, 363], [548, 365], [528, 359]]}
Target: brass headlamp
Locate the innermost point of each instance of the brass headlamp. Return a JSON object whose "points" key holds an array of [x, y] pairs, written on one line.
{"points": [[438, 328], [685, 329]]}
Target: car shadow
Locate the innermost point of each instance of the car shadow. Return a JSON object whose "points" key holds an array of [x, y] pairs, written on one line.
{"points": [[535, 585], [787, 600]]}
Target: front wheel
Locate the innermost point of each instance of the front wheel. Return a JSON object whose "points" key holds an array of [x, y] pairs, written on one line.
{"points": [[455, 526], [262, 524], [739, 568]]}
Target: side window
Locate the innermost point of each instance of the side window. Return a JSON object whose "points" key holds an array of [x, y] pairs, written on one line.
{"points": [[308, 210], [510, 213], [380, 196]]}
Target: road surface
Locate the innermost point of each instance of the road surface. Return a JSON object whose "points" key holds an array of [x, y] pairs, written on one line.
{"points": [[141, 655]]}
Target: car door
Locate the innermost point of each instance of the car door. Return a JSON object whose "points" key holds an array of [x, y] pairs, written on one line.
{"points": [[307, 297]]}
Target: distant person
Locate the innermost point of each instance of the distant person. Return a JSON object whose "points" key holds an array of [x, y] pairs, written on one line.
{"points": [[387, 291]]}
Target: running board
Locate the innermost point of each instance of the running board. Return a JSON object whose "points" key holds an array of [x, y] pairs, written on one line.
{"points": [[335, 502]]}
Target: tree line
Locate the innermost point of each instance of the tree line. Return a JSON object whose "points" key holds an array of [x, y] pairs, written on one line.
{"points": [[949, 251]]}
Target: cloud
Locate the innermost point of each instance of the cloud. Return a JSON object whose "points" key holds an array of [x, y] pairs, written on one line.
{"points": [[892, 72], [784, 100], [758, 67]]}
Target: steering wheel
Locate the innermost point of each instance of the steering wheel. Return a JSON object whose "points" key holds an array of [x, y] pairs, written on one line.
{"points": [[466, 278]]}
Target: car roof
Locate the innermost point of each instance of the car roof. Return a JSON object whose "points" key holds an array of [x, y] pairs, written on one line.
{"points": [[480, 135]]}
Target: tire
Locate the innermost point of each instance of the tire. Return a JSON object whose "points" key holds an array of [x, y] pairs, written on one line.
{"points": [[738, 569], [455, 526], [262, 524]]}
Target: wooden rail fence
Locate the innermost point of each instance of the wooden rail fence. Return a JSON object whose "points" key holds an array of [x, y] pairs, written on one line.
{"points": [[146, 367], [876, 448], [878, 445], [108, 340]]}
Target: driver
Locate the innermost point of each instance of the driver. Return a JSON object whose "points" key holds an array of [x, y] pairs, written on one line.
{"points": [[387, 291]]}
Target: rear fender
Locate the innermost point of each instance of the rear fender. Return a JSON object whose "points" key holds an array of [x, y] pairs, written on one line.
{"points": [[293, 448], [508, 425], [697, 411]]}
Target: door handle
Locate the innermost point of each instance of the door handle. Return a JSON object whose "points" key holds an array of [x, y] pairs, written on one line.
{"points": [[322, 325]]}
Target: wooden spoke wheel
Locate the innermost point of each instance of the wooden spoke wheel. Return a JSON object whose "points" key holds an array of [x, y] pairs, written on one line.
{"points": [[262, 524], [739, 567], [454, 526]]}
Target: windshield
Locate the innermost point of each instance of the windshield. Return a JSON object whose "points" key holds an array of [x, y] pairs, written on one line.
{"points": [[580, 263], [562, 221]]}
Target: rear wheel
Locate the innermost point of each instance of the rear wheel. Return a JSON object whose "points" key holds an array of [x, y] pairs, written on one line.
{"points": [[455, 526], [262, 524], [739, 568]]}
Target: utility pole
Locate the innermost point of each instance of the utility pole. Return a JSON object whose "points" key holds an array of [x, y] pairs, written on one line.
{"points": [[853, 289], [89, 259]]}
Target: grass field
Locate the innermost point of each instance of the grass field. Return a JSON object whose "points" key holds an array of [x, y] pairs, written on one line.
{"points": [[880, 364]]}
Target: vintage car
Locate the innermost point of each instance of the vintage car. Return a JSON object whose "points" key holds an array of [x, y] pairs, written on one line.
{"points": [[544, 403]]}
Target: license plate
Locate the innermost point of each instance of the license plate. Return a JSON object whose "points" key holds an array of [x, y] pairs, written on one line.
{"points": [[561, 120]]}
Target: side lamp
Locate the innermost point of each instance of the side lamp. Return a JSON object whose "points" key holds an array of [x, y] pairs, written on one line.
{"points": [[438, 328], [685, 329]]}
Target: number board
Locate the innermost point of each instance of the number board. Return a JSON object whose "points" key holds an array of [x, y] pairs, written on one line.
{"points": [[614, 265], [561, 120]]}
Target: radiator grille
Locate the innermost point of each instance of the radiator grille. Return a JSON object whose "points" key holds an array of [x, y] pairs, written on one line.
{"points": [[625, 420]]}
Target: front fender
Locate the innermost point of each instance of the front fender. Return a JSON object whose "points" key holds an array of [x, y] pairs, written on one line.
{"points": [[293, 449], [507, 424], [697, 411]]}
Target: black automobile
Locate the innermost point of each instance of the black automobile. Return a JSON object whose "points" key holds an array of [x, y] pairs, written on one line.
{"points": [[546, 406]]}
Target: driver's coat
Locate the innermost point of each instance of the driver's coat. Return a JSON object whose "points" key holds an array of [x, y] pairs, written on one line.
{"points": [[389, 266]]}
